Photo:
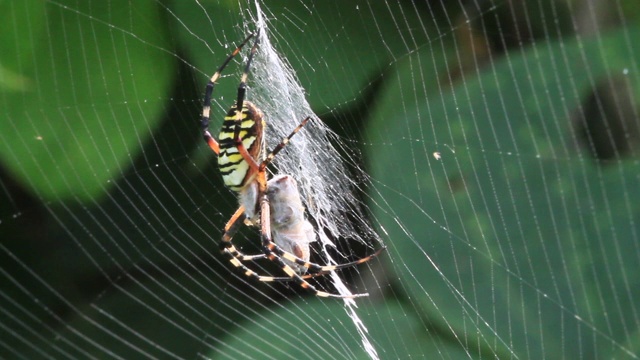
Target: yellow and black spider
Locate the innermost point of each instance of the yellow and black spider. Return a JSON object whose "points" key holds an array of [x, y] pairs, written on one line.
{"points": [[240, 150]]}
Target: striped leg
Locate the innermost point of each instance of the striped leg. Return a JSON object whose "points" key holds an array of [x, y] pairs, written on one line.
{"points": [[229, 231], [206, 107], [263, 165], [282, 144], [242, 89], [242, 92], [234, 255], [316, 269], [267, 245], [261, 168]]}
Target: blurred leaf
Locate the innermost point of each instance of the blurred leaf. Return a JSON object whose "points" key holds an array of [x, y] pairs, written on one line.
{"points": [[18, 53], [393, 333], [526, 239], [74, 74], [334, 65], [148, 315]]}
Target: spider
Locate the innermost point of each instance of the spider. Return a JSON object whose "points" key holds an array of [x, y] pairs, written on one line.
{"points": [[240, 149]]}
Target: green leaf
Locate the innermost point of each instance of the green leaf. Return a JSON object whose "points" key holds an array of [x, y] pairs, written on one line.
{"points": [[514, 231], [82, 90], [321, 329], [334, 65], [156, 316]]}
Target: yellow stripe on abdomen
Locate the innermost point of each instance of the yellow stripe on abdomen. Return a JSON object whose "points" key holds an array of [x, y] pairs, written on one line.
{"points": [[233, 167]]}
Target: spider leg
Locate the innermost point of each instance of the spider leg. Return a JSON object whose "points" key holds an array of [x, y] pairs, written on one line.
{"points": [[242, 88], [242, 92], [315, 270], [234, 255], [319, 269], [267, 245], [288, 279], [282, 144], [227, 247], [206, 108], [260, 168], [229, 231]]}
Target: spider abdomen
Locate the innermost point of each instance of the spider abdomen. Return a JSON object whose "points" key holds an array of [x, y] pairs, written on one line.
{"points": [[236, 172]]}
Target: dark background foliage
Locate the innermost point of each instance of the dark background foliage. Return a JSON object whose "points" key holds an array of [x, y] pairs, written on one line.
{"points": [[520, 241]]}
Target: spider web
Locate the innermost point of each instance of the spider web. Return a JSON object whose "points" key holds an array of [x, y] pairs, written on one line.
{"points": [[492, 146]]}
